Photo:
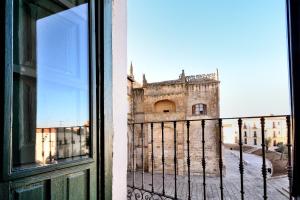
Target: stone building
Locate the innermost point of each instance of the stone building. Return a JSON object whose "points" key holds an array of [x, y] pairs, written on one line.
{"points": [[185, 98]]}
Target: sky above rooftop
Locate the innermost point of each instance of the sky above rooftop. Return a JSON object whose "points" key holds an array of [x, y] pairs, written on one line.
{"points": [[245, 40]]}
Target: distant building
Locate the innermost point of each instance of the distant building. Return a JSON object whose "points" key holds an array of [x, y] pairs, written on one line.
{"points": [[185, 98], [275, 130], [228, 130]]}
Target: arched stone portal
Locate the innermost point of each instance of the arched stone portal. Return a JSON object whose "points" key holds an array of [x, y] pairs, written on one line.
{"points": [[165, 106]]}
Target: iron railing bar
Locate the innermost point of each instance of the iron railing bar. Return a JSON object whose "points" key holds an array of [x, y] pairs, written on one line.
{"points": [[152, 158], [163, 155], [175, 161], [65, 143], [203, 159], [87, 140], [133, 164], [212, 119], [80, 151], [142, 133], [241, 165], [221, 159], [72, 141], [188, 159], [264, 170], [57, 146], [43, 146], [50, 143], [289, 168]]}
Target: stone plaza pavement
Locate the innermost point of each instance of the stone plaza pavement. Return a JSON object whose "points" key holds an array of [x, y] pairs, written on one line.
{"points": [[277, 188]]}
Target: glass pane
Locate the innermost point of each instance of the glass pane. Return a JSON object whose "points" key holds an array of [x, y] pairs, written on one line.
{"points": [[201, 107], [51, 82]]}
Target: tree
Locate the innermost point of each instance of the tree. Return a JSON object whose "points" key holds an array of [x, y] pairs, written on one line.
{"points": [[282, 148], [268, 143]]}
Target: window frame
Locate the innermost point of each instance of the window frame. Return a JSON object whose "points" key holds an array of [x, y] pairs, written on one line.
{"points": [[194, 109], [7, 171]]}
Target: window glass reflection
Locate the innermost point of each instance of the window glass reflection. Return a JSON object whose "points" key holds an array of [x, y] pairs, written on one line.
{"points": [[51, 82]]}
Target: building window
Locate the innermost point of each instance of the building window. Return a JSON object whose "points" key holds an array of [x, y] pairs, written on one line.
{"points": [[245, 141], [199, 109], [255, 141], [254, 134], [245, 134], [274, 143], [274, 134]]}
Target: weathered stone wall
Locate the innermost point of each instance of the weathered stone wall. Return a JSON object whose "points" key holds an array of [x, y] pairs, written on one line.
{"points": [[155, 93], [207, 93], [168, 148], [211, 136]]}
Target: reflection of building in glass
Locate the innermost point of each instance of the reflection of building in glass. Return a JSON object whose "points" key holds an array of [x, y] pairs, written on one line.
{"points": [[55, 144], [185, 98]]}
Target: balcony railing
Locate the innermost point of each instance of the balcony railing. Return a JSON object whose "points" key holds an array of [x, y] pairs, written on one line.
{"points": [[184, 159]]}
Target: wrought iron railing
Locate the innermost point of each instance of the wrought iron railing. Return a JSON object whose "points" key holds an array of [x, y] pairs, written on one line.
{"points": [[139, 133]]}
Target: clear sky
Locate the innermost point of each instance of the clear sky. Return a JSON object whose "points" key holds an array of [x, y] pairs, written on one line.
{"points": [[244, 39], [62, 73]]}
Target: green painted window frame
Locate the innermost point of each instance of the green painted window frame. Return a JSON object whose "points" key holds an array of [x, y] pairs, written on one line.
{"points": [[7, 172]]}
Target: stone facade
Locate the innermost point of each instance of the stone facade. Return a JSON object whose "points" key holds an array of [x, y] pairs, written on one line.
{"points": [[185, 98]]}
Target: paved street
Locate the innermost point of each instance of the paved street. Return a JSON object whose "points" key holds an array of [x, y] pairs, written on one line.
{"points": [[252, 163], [253, 182]]}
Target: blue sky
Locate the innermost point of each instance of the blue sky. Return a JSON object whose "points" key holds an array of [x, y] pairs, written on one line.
{"points": [[245, 40], [62, 74]]}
